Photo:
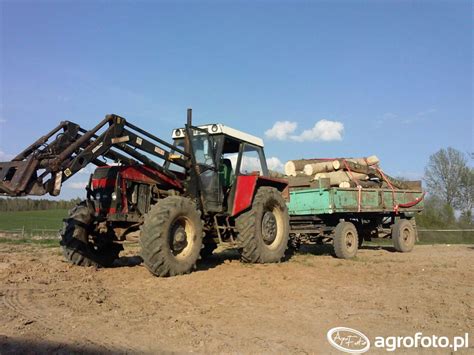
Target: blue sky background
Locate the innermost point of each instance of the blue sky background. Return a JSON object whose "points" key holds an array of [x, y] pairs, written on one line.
{"points": [[397, 74]]}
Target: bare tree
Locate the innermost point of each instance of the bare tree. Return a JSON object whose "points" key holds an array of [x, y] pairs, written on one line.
{"points": [[448, 176], [466, 201]]}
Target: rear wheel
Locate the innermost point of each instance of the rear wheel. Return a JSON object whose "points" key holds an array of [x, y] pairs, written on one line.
{"points": [[403, 235], [345, 240], [171, 237], [263, 230], [76, 246]]}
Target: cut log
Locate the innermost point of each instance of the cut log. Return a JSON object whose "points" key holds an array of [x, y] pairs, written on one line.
{"points": [[403, 185], [336, 164], [292, 167], [336, 177], [369, 184], [345, 184], [299, 181], [322, 167], [320, 176], [355, 167], [413, 185], [369, 161]]}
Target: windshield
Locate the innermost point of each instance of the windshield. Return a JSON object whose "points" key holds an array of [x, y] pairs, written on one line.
{"points": [[203, 150]]}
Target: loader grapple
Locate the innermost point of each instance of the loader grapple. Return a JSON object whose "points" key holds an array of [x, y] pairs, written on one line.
{"points": [[45, 165]]}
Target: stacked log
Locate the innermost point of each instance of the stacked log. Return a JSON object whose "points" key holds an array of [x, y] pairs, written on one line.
{"points": [[343, 172], [341, 176]]}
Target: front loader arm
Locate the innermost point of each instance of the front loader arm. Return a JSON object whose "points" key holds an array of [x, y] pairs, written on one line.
{"points": [[54, 158]]}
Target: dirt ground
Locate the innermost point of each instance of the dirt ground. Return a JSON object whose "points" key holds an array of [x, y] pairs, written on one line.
{"points": [[47, 305]]}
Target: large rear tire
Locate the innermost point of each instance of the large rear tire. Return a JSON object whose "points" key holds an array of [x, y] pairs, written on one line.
{"points": [[264, 229], [76, 246], [403, 235], [171, 237]]}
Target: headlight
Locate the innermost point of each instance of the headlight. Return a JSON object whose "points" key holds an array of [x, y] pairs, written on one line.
{"points": [[114, 196], [97, 196]]}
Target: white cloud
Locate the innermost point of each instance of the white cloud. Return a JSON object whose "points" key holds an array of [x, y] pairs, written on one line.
{"points": [[323, 130], [274, 163], [281, 130], [77, 185], [5, 157]]}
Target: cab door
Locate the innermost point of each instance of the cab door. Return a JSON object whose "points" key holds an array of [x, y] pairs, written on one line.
{"points": [[204, 149]]}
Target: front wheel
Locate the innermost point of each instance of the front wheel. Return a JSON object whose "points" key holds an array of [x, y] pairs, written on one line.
{"points": [[403, 235], [75, 241], [171, 237], [264, 229]]}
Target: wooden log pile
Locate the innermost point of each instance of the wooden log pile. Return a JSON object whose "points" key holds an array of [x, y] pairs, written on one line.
{"points": [[344, 173]]}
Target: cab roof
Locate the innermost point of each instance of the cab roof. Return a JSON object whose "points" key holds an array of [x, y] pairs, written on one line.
{"points": [[218, 128]]}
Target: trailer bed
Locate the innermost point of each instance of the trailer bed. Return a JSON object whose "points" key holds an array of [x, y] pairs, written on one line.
{"points": [[321, 201]]}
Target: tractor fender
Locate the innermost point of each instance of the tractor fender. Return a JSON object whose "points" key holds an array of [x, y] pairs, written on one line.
{"points": [[246, 187]]}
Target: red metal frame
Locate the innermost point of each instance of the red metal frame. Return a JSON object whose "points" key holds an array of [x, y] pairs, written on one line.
{"points": [[246, 186], [136, 173]]}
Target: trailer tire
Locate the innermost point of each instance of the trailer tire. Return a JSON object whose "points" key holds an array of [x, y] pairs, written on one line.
{"points": [[403, 235], [75, 244], [264, 229], [171, 237], [345, 240]]}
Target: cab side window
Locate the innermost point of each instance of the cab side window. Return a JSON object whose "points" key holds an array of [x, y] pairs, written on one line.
{"points": [[251, 161]]}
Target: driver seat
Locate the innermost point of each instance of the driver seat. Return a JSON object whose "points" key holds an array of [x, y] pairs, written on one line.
{"points": [[226, 174]]}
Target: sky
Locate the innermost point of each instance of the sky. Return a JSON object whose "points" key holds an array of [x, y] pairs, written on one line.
{"points": [[312, 78]]}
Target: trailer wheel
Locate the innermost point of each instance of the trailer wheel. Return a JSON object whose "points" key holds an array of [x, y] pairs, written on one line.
{"points": [[171, 237], [75, 244], [403, 235], [264, 229], [345, 240]]}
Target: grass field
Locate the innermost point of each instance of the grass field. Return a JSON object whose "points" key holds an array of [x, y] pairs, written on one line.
{"points": [[49, 219], [52, 219]]}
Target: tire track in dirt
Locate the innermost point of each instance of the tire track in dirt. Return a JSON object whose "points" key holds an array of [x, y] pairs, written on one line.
{"points": [[18, 301]]}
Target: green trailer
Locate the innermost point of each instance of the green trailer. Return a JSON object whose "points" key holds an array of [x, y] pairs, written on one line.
{"points": [[349, 216]]}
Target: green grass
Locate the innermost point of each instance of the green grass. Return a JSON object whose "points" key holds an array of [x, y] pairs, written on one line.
{"points": [[49, 219], [45, 243], [431, 237]]}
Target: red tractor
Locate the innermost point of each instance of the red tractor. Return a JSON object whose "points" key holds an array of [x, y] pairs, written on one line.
{"points": [[178, 200]]}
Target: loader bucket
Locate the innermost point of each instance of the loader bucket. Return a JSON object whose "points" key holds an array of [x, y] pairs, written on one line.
{"points": [[16, 177]]}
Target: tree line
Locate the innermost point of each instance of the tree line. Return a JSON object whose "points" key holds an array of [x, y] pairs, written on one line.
{"points": [[450, 191], [28, 204]]}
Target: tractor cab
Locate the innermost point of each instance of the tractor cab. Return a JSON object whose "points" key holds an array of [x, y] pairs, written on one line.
{"points": [[224, 159]]}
